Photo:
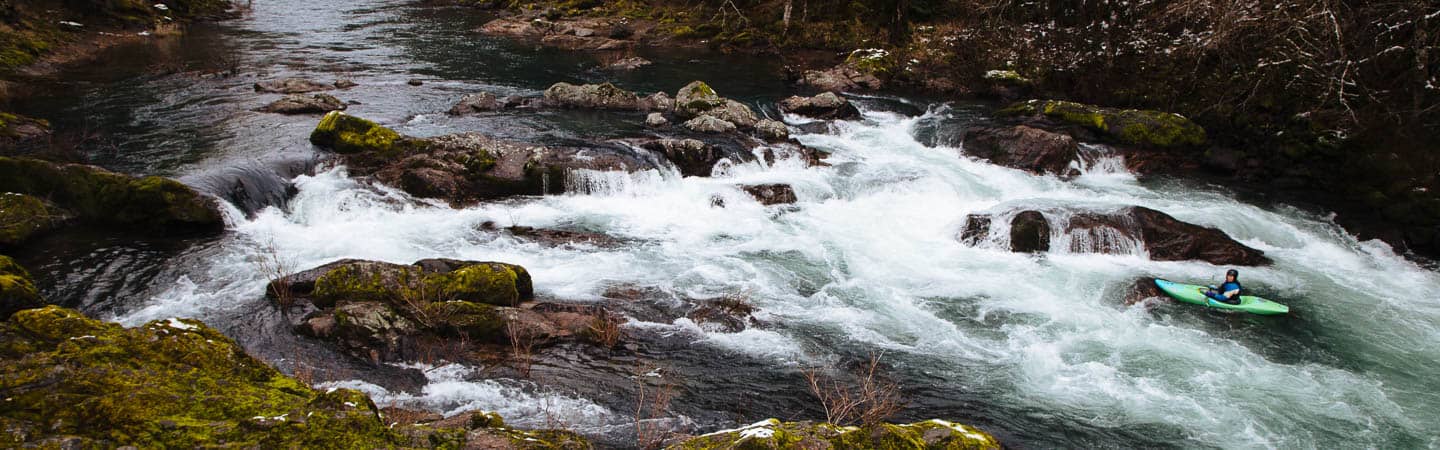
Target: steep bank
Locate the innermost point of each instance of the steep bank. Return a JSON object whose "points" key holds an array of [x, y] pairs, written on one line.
{"points": [[1305, 102]]}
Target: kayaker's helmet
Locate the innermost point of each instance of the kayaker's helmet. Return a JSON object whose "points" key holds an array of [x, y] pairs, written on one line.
{"points": [[1233, 273]]}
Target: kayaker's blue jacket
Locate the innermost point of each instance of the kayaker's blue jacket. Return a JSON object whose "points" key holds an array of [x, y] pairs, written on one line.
{"points": [[1228, 292]]}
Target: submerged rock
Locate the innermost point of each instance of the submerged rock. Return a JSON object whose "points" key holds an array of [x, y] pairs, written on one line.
{"points": [[304, 104], [630, 63], [1022, 147], [17, 289], [774, 434], [771, 194], [23, 217], [474, 103], [1145, 128], [827, 106], [292, 86], [176, 383], [150, 204]]}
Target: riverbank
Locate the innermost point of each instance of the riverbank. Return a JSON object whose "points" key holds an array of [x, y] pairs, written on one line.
{"points": [[1348, 125]]}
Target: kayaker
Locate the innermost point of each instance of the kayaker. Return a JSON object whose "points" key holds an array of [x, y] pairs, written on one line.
{"points": [[1229, 292]]}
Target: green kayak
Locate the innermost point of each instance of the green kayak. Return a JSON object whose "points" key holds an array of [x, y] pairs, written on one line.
{"points": [[1190, 293]]}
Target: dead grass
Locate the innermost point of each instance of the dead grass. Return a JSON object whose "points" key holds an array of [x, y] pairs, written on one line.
{"points": [[655, 388]]}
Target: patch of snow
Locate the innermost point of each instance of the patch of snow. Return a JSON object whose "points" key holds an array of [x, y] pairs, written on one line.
{"points": [[162, 7], [72, 24], [177, 324]]}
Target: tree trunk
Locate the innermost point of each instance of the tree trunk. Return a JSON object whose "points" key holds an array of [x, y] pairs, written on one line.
{"points": [[788, 5]]}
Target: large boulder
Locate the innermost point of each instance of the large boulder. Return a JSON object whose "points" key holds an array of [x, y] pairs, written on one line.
{"points": [[1146, 128], [598, 96], [95, 195], [826, 106], [347, 134], [75, 382], [777, 435], [24, 216], [304, 104], [698, 98], [1168, 239], [432, 280], [17, 290], [292, 86], [1029, 233], [1023, 147]]}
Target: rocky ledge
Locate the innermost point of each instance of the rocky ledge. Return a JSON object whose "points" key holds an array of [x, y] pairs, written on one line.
{"points": [[36, 196], [380, 311], [1126, 231]]}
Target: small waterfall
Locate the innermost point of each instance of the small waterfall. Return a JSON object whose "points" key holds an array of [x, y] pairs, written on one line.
{"points": [[1071, 231], [612, 182], [1096, 159]]}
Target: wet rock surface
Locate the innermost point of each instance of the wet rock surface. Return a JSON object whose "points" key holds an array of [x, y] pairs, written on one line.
{"points": [[98, 196], [826, 106], [771, 194], [1023, 147], [304, 104], [1125, 231], [293, 86]]}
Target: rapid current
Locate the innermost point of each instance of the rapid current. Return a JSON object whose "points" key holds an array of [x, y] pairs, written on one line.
{"points": [[1039, 349]]}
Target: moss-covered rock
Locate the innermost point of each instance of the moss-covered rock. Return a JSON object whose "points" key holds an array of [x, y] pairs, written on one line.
{"points": [[774, 434], [152, 204], [1130, 126], [698, 98], [177, 383], [17, 290], [348, 134], [474, 281], [24, 216]]}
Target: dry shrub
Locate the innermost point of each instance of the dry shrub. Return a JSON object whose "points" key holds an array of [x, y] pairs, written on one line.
{"points": [[523, 339], [276, 269], [869, 400], [605, 330], [653, 394]]}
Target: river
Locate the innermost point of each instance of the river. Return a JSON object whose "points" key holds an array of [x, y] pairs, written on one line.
{"points": [[1037, 349]]}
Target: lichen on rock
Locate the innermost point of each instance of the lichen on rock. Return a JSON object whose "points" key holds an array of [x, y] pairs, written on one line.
{"points": [[348, 134]]}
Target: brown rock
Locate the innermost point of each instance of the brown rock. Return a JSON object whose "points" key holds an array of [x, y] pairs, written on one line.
{"points": [[771, 194], [1022, 147]]}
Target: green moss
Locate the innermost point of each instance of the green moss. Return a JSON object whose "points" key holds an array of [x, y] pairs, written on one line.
{"points": [[96, 195], [475, 321], [23, 216], [874, 61], [348, 134], [495, 284], [17, 290], [1075, 113], [1130, 126], [354, 283]]}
